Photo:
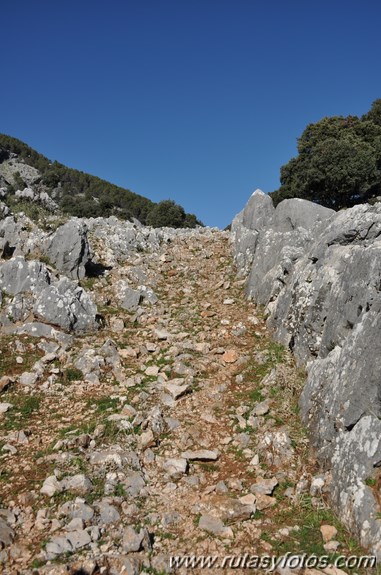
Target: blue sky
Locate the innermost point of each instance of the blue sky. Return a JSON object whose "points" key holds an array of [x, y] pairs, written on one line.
{"points": [[200, 101]]}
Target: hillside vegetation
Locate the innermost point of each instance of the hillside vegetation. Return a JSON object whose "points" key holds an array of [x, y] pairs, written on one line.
{"points": [[339, 162], [83, 195]]}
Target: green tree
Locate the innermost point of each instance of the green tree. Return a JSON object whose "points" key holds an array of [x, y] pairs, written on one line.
{"points": [[374, 114], [166, 213], [339, 162]]}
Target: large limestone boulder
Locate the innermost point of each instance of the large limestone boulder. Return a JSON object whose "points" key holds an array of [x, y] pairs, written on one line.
{"points": [[246, 226], [292, 227], [357, 453], [18, 275], [31, 290], [68, 249], [332, 286], [68, 306]]}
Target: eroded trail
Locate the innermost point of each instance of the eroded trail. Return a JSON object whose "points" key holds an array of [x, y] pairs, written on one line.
{"points": [[172, 432]]}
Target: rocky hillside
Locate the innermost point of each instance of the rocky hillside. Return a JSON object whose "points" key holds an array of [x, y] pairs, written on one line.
{"points": [[145, 412], [31, 183], [318, 275]]}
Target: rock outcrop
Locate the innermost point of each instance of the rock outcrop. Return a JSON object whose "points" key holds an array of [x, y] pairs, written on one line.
{"points": [[31, 291], [68, 249], [319, 275]]}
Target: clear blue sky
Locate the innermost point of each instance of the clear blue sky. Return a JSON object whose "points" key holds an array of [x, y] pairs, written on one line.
{"points": [[200, 101]]}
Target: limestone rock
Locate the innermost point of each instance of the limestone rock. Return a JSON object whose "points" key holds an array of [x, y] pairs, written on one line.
{"points": [[214, 526], [328, 532], [201, 455], [68, 249], [68, 306], [18, 275]]}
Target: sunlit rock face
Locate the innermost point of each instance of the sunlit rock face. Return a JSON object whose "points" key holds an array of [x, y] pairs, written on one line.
{"points": [[318, 274]]}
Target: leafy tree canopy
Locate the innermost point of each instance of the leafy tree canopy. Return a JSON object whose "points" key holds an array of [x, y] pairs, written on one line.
{"points": [[339, 162], [169, 214]]}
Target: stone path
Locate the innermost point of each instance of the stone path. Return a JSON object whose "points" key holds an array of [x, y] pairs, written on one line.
{"points": [[173, 431]]}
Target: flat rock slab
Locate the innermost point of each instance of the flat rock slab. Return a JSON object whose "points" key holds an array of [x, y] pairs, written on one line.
{"points": [[177, 391], [233, 511], [214, 526], [201, 455], [230, 356], [265, 501], [162, 334]]}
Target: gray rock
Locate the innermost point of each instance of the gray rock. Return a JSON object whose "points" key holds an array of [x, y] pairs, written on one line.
{"points": [[57, 545], [200, 455], [108, 513], [276, 447], [293, 227], [79, 484], [175, 467], [68, 306], [246, 227], [356, 455], [6, 533], [233, 511], [40, 330], [318, 274], [264, 486], [4, 407], [261, 408], [28, 378], [214, 526], [68, 249], [129, 298], [115, 457], [67, 544], [176, 388], [77, 509], [19, 276], [171, 518], [134, 484], [51, 486], [132, 540], [78, 539]]}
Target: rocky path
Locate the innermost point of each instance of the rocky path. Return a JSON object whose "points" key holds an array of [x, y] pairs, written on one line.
{"points": [[172, 432]]}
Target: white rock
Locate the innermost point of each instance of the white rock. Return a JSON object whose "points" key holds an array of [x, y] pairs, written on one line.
{"points": [[201, 455], [51, 486], [175, 467], [4, 407]]}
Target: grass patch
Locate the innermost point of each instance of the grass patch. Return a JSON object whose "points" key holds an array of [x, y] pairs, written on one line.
{"points": [[8, 354], [370, 482], [72, 374], [5, 475], [308, 539], [119, 490], [105, 403], [75, 429], [24, 407], [97, 491]]}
